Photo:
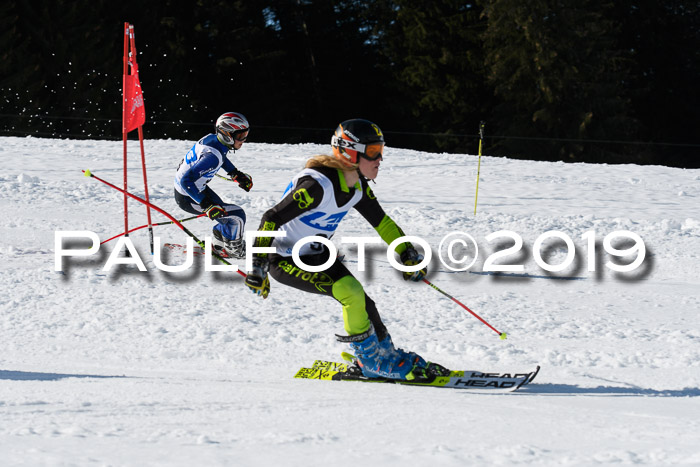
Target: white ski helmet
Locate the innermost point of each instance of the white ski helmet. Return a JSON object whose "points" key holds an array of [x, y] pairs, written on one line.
{"points": [[230, 127]]}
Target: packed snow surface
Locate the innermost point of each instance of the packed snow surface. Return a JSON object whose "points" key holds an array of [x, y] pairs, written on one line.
{"points": [[124, 367]]}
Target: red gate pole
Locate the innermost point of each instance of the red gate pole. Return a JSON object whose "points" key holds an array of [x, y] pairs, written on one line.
{"points": [[166, 214], [143, 153], [124, 132]]}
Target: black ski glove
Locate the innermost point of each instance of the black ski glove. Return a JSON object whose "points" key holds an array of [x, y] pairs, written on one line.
{"points": [[244, 180], [411, 257], [213, 211], [257, 279]]}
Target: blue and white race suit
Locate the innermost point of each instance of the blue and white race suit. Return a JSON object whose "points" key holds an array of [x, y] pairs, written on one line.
{"points": [[322, 220], [192, 192]]}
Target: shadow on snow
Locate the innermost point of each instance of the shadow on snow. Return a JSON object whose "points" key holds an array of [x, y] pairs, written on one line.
{"points": [[570, 389], [36, 376]]}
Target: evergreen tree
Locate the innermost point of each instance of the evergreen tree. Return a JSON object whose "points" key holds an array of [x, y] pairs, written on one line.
{"points": [[552, 77], [52, 83], [664, 39], [330, 69], [435, 53], [559, 73]]}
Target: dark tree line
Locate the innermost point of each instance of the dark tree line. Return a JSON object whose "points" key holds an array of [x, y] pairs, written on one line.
{"points": [[584, 80]]}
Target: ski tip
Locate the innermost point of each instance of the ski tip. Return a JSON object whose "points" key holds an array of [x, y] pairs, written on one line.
{"points": [[87, 173], [530, 377], [503, 336]]}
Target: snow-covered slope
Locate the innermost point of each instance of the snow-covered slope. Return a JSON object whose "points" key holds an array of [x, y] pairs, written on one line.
{"points": [[154, 368]]}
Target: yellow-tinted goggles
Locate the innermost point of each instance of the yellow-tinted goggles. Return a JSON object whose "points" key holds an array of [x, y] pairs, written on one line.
{"points": [[373, 151]]}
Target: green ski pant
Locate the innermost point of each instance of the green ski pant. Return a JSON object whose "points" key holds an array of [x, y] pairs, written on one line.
{"points": [[358, 309]]}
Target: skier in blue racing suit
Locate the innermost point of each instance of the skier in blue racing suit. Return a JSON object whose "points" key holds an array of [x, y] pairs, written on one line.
{"points": [[196, 170]]}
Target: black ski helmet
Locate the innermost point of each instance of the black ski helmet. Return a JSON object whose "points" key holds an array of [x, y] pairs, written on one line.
{"points": [[357, 138]]}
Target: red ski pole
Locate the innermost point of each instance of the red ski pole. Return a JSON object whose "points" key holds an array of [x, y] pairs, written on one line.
{"points": [[149, 225], [501, 334], [153, 206]]}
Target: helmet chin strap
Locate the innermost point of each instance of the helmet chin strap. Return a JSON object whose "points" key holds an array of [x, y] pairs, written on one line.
{"points": [[230, 148], [363, 176]]}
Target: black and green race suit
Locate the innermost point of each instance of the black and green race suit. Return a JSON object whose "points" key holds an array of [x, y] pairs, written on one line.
{"points": [[301, 212]]}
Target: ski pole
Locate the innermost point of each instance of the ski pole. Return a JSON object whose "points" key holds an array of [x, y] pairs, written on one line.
{"points": [[153, 206], [501, 334], [151, 225], [482, 124]]}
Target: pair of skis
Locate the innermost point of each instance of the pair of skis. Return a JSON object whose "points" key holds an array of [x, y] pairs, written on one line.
{"points": [[472, 380]]}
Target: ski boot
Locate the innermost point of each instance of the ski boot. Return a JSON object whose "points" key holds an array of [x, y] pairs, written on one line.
{"points": [[377, 363], [386, 347], [422, 370], [228, 248]]}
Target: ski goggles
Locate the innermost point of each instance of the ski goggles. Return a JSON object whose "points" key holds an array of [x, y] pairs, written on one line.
{"points": [[371, 151], [241, 136], [237, 135]]}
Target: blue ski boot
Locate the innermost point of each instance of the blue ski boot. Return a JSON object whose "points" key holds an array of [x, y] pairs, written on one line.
{"points": [[386, 347], [377, 363], [422, 370]]}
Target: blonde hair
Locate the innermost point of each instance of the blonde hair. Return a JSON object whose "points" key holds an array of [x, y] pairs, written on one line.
{"points": [[323, 160]]}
